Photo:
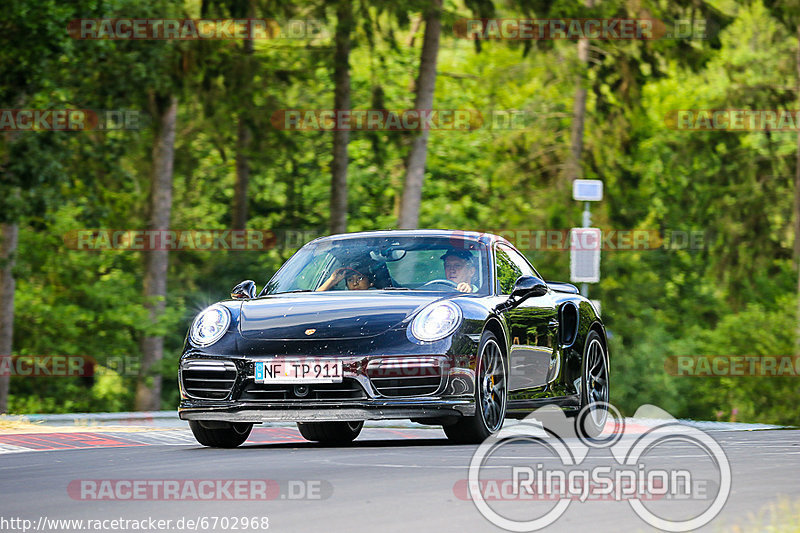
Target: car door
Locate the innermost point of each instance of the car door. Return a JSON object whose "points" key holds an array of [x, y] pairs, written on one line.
{"points": [[533, 327]]}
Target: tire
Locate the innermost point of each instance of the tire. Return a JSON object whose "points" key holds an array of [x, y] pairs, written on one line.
{"points": [[330, 432], [491, 395], [220, 434], [595, 381]]}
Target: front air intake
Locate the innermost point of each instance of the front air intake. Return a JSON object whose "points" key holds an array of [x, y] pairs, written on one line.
{"points": [[402, 377], [207, 379], [349, 389]]}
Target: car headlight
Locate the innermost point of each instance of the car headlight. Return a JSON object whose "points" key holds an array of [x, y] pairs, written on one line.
{"points": [[436, 321], [210, 325]]}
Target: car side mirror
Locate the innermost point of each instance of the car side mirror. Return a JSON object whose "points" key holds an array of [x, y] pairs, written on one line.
{"points": [[528, 286], [524, 287], [244, 290]]}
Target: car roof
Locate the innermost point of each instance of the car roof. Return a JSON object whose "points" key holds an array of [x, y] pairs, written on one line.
{"points": [[486, 238]]}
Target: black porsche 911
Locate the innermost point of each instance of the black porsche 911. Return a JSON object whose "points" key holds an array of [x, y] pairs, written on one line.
{"points": [[447, 328]]}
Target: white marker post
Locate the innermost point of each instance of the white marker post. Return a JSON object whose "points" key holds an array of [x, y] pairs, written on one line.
{"points": [[585, 242], [584, 258]]}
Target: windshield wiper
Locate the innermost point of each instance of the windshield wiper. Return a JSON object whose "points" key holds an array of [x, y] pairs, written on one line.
{"points": [[395, 289]]}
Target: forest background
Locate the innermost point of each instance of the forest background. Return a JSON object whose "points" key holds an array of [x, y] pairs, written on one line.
{"points": [[206, 151]]}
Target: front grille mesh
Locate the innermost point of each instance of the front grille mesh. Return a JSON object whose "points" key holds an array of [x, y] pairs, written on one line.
{"points": [[349, 389], [211, 380], [408, 377]]}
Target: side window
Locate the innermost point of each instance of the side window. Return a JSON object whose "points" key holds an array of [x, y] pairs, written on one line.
{"points": [[510, 266]]}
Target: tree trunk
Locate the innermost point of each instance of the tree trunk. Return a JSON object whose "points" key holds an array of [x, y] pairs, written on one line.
{"points": [[341, 100], [148, 397], [426, 83], [243, 138], [574, 167], [8, 249], [574, 170]]}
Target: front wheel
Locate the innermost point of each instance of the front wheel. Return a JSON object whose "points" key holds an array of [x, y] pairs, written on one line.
{"points": [[491, 392], [220, 434], [593, 415], [330, 432]]}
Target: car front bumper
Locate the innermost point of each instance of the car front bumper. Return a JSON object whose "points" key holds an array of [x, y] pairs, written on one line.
{"points": [[367, 391]]}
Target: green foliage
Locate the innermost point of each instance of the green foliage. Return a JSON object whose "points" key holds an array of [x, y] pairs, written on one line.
{"points": [[732, 295], [757, 330]]}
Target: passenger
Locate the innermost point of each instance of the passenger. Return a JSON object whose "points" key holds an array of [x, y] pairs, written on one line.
{"points": [[358, 278], [459, 267]]}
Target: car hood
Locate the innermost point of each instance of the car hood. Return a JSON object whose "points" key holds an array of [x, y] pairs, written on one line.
{"points": [[315, 316]]}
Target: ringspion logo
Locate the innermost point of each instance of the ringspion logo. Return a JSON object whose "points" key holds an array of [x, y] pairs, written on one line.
{"points": [[526, 477]]}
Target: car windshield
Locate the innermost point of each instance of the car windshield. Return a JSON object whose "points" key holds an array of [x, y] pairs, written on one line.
{"points": [[416, 263]]}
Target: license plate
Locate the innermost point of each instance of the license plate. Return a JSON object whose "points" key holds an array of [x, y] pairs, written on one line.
{"points": [[298, 371]]}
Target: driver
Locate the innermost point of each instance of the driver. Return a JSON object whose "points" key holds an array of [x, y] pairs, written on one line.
{"points": [[358, 278], [459, 267]]}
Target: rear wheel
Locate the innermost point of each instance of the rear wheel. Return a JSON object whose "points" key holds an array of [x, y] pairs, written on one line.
{"points": [[593, 415], [491, 391], [330, 432], [220, 434]]}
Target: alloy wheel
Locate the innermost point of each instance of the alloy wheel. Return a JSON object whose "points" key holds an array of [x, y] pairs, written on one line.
{"points": [[596, 382], [493, 386]]}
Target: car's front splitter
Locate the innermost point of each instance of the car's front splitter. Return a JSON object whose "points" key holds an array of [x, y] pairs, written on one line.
{"points": [[255, 413]]}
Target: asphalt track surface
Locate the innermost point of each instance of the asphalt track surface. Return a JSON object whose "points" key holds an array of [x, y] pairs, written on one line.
{"points": [[391, 479]]}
